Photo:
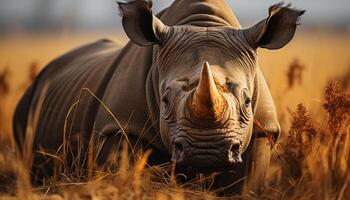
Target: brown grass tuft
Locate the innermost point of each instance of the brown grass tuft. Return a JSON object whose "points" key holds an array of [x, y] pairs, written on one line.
{"points": [[318, 159], [302, 135], [337, 105]]}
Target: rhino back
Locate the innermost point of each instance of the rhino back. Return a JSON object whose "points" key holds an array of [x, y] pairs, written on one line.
{"points": [[200, 13], [63, 78]]}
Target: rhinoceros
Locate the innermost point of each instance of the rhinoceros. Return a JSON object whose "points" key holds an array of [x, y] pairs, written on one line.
{"points": [[187, 85]]}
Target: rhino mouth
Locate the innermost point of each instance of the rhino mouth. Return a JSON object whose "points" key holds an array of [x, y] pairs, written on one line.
{"points": [[206, 156]]}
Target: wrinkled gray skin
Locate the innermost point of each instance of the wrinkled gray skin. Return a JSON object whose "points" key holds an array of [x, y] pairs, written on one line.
{"points": [[187, 84]]}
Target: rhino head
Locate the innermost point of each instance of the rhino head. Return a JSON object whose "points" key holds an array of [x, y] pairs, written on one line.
{"points": [[206, 81]]}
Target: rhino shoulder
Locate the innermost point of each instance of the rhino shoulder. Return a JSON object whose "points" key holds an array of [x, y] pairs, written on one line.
{"points": [[265, 117]]}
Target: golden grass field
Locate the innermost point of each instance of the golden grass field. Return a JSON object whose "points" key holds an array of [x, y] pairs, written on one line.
{"points": [[311, 161]]}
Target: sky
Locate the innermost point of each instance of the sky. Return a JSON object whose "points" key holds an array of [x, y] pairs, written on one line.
{"points": [[46, 14]]}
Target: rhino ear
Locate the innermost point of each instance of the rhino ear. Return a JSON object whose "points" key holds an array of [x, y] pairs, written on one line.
{"points": [[276, 30], [139, 23]]}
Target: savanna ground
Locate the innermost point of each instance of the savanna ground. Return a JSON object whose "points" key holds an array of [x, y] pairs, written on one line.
{"points": [[310, 161]]}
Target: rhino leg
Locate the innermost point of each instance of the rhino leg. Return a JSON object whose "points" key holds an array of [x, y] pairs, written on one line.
{"points": [[258, 165], [266, 131]]}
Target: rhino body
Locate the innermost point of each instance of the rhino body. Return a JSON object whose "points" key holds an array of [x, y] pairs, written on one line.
{"points": [[132, 83]]}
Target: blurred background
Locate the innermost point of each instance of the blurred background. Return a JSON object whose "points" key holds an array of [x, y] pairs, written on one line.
{"points": [[75, 15], [33, 32]]}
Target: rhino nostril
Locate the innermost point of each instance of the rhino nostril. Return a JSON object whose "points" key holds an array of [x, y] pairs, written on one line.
{"points": [[235, 147], [177, 152], [179, 148]]}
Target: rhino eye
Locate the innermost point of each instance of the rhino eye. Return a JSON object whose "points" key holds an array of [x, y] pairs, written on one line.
{"points": [[165, 100], [247, 102], [166, 106], [246, 110]]}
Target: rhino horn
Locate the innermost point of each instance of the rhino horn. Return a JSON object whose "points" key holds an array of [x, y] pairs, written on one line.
{"points": [[207, 101]]}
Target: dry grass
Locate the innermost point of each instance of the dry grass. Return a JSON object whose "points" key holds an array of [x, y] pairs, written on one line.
{"points": [[311, 161], [319, 157]]}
